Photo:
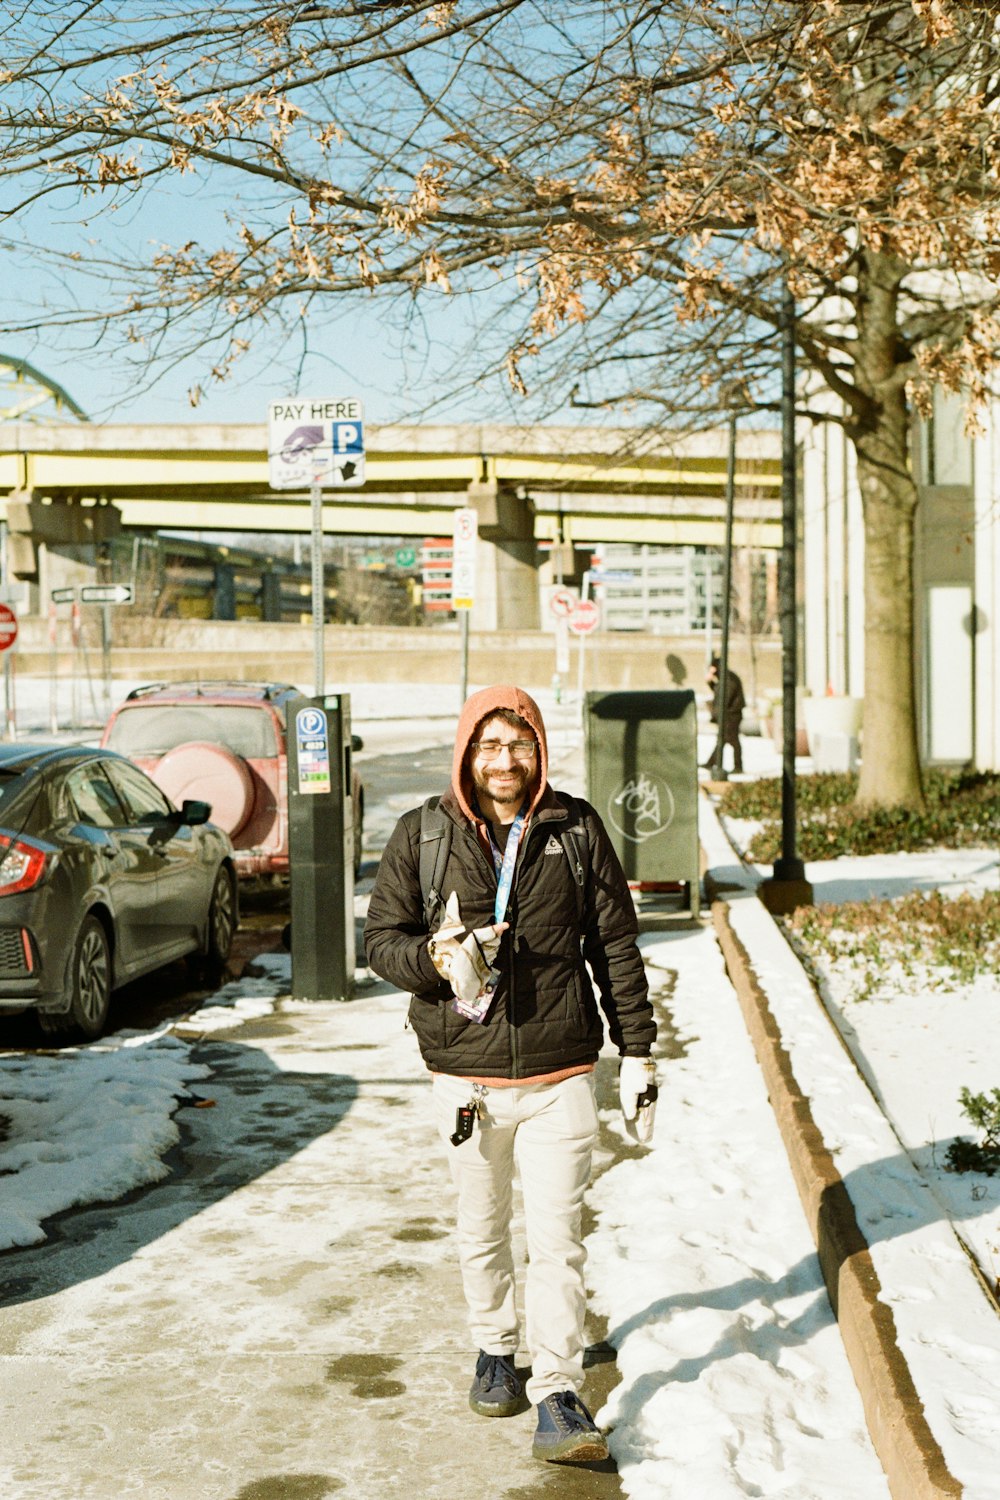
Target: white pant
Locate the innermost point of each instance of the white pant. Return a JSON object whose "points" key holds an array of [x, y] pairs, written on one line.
{"points": [[550, 1129]]}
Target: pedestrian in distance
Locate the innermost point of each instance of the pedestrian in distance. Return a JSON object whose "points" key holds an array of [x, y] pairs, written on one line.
{"points": [[728, 716], [488, 906]]}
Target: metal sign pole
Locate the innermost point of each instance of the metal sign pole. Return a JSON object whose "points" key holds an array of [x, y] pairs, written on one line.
{"points": [[106, 655], [8, 694], [465, 655], [53, 669], [318, 591]]}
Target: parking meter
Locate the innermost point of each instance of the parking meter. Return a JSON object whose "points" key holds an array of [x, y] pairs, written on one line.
{"points": [[321, 847]]}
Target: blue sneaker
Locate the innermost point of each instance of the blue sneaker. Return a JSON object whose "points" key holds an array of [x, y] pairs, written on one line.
{"points": [[496, 1390], [566, 1432]]}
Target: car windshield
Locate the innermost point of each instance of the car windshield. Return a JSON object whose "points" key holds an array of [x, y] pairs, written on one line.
{"points": [[155, 728]]}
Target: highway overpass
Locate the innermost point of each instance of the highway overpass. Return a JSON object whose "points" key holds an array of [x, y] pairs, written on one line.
{"points": [[531, 485]]}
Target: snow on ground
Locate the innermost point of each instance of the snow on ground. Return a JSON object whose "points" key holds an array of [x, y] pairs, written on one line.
{"points": [[734, 1380], [918, 1045], [85, 1125]]}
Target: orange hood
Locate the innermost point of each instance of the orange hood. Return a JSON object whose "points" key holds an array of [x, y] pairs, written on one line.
{"points": [[479, 707]]}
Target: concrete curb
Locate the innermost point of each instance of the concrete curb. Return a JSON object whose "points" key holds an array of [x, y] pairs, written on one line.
{"points": [[906, 1446]]}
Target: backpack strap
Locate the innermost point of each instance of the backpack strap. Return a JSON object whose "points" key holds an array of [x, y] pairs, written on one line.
{"points": [[435, 845], [573, 838]]}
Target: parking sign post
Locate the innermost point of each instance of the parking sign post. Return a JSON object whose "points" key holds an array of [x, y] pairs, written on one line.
{"points": [[318, 590]]}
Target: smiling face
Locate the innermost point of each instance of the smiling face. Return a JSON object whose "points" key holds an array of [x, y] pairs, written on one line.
{"points": [[502, 778]]}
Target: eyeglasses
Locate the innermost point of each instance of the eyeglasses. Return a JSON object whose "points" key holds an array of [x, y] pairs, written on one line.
{"points": [[490, 749]]}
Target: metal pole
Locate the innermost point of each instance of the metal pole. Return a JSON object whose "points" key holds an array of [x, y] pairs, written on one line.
{"points": [[788, 888], [465, 655], [53, 669], [10, 720], [719, 772], [318, 592], [106, 655]]}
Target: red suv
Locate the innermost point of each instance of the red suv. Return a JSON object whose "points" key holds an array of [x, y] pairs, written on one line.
{"points": [[223, 743]]}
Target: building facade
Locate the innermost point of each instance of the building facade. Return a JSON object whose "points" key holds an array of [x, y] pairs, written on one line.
{"points": [[956, 579]]}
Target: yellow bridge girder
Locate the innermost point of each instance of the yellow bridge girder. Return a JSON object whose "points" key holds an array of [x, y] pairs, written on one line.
{"points": [[583, 484]]}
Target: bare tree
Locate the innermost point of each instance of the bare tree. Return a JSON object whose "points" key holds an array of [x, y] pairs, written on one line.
{"points": [[626, 187]]}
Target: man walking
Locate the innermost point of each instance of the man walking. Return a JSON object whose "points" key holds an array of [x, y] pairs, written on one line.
{"points": [[728, 715], [506, 1018]]}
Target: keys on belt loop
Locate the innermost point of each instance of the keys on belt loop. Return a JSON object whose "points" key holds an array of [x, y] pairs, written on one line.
{"points": [[466, 1115]]}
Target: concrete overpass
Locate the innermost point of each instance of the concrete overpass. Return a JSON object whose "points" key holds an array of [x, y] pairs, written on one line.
{"points": [[530, 485]]}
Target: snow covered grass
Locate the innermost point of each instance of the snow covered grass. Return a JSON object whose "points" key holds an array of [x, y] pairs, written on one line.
{"points": [[926, 939]]}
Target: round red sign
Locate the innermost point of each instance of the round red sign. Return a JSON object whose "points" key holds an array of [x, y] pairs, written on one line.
{"points": [[586, 617], [8, 627], [562, 602]]}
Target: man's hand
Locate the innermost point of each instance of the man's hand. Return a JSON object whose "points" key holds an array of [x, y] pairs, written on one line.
{"points": [[464, 961], [637, 1091]]}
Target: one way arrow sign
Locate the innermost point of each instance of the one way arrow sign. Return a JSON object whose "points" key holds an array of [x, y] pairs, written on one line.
{"points": [[106, 593]]}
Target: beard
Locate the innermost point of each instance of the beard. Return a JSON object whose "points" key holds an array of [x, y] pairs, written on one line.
{"points": [[504, 787]]}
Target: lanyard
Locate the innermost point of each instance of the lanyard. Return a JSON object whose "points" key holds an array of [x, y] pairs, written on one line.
{"points": [[504, 865]]}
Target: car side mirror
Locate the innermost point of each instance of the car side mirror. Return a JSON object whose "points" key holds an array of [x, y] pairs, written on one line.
{"points": [[357, 743], [195, 812]]}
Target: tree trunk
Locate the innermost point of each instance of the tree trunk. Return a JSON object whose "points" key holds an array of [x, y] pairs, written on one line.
{"points": [[890, 767]]}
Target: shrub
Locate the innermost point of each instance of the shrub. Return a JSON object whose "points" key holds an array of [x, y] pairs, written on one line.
{"points": [[949, 940], [963, 810], [978, 1156]]}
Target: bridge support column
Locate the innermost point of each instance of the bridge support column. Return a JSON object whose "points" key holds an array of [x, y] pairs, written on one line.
{"points": [[224, 607], [507, 561]]}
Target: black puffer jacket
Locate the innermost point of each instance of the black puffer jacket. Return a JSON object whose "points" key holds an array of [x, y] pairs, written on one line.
{"points": [[545, 1016]]}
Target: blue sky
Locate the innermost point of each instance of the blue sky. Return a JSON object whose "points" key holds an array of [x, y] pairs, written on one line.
{"points": [[398, 357]]}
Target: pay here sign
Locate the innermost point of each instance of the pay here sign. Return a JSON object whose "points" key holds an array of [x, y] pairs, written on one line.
{"points": [[316, 441]]}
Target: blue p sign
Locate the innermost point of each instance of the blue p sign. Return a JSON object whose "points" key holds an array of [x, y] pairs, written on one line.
{"points": [[348, 438]]}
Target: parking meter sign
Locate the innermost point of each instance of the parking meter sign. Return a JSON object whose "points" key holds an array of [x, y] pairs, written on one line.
{"points": [[312, 742], [316, 441]]}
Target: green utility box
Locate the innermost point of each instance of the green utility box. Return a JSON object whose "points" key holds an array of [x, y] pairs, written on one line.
{"points": [[642, 777], [321, 847]]}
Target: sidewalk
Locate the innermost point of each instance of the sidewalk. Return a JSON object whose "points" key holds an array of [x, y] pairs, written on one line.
{"points": [[280, 1317], [921, 1331]]}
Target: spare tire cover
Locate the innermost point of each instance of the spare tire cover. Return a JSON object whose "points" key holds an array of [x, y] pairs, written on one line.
{"points": [[210, 773]]}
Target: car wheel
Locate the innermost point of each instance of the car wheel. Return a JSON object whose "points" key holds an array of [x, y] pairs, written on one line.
{"points": [[221, 920], [90, 986]]}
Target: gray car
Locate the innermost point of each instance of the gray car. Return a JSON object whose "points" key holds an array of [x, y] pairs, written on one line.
{"points": [[101, 879]]}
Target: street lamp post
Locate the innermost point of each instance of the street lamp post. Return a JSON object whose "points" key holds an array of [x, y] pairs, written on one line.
{"points": [[788, 888]]}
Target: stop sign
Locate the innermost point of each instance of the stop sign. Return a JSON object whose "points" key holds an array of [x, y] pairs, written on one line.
{"points": [[8, 627], [586, 616]]}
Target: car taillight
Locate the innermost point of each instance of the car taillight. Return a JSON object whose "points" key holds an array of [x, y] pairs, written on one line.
{"points": [[21, 865]]}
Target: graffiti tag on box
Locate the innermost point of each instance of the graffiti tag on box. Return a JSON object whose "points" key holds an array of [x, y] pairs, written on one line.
{"points": [[641, 806]]}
